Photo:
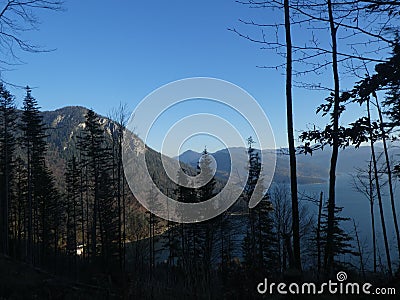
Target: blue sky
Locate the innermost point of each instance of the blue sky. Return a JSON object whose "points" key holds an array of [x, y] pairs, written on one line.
{"points": [[119, 51]]}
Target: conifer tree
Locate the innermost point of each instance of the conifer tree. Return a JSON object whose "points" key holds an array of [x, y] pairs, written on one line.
{"points": [[117, 129], [184, 195], [204, 232], [72, 198], [44, 209], [49, 213], [7, 147], [266, 236], [341, 239], [260, 242], [97, 158], [249, 243], [18, 206], [108, 220], [34, 145], [91, 145]]}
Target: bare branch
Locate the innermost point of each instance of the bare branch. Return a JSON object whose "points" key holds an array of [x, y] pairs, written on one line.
{"points": [[16, 18]]}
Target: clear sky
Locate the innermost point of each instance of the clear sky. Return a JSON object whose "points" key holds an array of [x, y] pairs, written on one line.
{"points": [[119, 51]]}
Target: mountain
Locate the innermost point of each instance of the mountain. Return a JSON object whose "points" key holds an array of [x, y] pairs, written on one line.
{"points": [[190, 157], [311, 169], [65, 125], [310, 174]]}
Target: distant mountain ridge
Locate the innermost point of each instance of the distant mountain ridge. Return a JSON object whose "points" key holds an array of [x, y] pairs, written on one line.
{"points": [[311, 169], [65, 125]]}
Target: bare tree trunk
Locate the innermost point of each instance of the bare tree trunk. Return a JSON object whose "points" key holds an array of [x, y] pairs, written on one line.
{"points": [[183, 253], [389, 174], [95, 208], [30, 209], [288, 247], [119, 169], [329, 255], [123, 221], [87, 212], [119, 116], [371, 202], [6, 186], [359, 250], [292, 150], [153, 250], [378, 191], [319, 232], [82, 206]]}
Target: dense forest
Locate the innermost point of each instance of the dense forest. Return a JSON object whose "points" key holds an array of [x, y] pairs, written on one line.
{"points": [[71, 227]]}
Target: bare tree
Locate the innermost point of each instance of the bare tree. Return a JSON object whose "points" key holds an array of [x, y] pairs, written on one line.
{"points": [[292, 149], [343, 20], [364, 183], [378, 190], [288, 48], [119, 117], [16, 18]]}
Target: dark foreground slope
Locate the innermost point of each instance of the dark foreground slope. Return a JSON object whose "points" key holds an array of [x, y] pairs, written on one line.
{"points": [[21, 281]]}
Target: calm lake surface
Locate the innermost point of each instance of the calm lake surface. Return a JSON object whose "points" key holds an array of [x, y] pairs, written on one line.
{"points": [[356, 206]]}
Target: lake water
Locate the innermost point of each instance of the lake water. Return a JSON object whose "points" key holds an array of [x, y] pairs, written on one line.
{"points": [[356, 206]]}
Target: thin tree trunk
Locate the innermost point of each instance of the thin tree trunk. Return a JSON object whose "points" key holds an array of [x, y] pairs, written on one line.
{"points": [[117, 179], [359, 250], [292, 150], [221, 230], [30, 208], [87, 209], [319, 231], [84, 249], [75, 221], [123, 221], [95, 208], [153, 242], [183, 246], [378, 190], [371, 202], [150, 246], [329, 255], [119, 162], [7, 185], [389, 174]]}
